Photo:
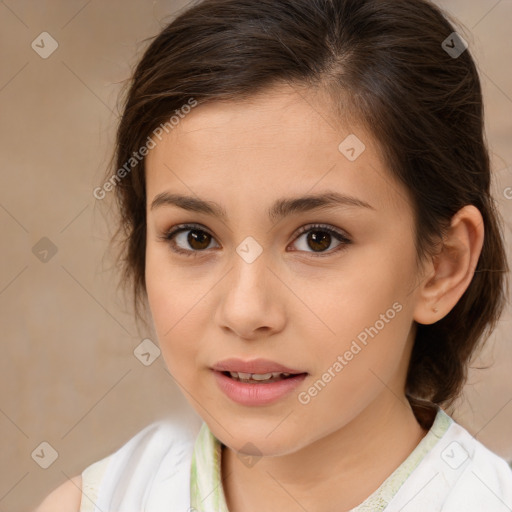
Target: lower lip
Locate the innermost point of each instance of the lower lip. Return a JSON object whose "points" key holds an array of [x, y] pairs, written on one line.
{"points": [[257, 394]]}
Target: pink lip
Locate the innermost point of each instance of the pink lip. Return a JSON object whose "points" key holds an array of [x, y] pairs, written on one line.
{"points": [[254, 366], [257, 394]]}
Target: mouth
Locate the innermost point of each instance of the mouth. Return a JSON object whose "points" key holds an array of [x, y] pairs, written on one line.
{"points": [[257, 382], [260, 378], [257, 369]]}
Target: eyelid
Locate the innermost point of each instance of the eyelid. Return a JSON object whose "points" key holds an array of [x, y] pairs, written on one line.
{"points": [[169, 234], [340, 235], [324, 227], [343, 237]]}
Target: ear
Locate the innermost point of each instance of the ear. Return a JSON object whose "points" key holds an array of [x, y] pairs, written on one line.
{"points": [[451, 270]]}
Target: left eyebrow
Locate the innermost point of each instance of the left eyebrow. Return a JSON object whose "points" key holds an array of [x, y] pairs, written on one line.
{"points": [[293, 205], [281, 208]]}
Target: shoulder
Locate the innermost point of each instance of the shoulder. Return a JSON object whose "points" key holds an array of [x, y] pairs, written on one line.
{"points": [[156, 439], [457, 474], [485, 477], [65, 498], [153, 466], [156, 447], [149, 456]]}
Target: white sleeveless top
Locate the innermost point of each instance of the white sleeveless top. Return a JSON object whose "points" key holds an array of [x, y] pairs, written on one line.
{"points": [[170, 466]]}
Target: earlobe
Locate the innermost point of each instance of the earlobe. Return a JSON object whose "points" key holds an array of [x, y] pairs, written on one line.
{"points": [[452, 268]]}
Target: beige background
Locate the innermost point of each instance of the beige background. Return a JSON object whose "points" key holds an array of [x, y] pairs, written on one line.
{"points": [[69, 376]]}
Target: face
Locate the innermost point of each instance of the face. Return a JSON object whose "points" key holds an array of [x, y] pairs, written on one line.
{"points": [[322, 288]]}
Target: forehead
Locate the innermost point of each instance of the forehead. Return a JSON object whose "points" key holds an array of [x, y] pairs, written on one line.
{"points": [[282, 141]]}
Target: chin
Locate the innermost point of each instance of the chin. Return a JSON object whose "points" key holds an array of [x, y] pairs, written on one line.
{"points": [[256, 441]]}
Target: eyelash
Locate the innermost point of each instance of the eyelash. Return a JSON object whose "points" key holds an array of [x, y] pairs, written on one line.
{"points": [[169, 235]]}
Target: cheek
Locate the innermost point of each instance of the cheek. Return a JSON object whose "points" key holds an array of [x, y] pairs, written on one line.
{"points": [[175, 302], [172, 290], [364, 288], [365, 358], [368, 309]]}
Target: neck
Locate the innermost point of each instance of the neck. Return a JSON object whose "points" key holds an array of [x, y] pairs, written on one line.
{"points": [[327, 474]]}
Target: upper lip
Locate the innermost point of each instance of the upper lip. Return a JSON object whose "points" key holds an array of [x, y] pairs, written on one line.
{"points": [[253, 366]]}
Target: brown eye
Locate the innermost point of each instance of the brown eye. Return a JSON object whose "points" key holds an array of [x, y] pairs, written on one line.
{"points": [[319, 238], [191, 240], [188, 239], [198, 240]]}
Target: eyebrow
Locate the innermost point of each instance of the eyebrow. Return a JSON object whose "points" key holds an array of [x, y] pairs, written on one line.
{"points": [[281, 208]]}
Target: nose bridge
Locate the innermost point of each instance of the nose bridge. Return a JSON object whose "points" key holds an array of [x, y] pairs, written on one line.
{"points": [[250, 266]]}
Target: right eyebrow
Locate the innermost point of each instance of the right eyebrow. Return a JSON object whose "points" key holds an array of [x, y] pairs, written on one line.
{"points": [[281, 208]]}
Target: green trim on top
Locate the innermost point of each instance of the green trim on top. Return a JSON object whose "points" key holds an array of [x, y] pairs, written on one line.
{"points": [[207, 493], [380, 499]]}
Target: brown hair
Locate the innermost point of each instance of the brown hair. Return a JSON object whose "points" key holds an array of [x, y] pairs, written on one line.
{"points": [[423, 105]]}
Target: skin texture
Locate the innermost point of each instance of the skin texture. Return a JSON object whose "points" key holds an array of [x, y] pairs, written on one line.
{"points": [[291, 305], [65, 498]]}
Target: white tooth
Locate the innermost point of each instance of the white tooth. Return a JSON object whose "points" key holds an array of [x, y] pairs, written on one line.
{"points": [[242, 375], [262, 376], [234, 375], [286, 374], [276, 374]]}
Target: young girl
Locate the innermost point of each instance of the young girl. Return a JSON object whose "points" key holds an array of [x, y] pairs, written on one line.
{"points": [[304, 192]]}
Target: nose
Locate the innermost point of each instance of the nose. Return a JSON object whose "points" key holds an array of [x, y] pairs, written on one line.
{"points": [[251, 306]]}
